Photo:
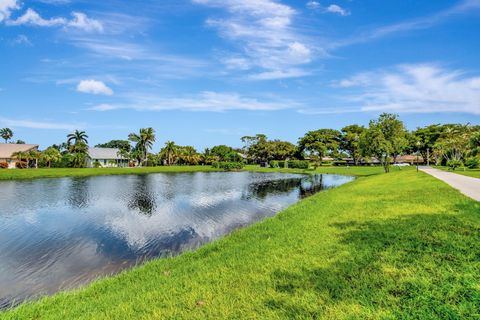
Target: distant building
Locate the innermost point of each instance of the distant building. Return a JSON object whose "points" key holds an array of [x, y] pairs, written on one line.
{"points": [[106, 158], [7, 150]]}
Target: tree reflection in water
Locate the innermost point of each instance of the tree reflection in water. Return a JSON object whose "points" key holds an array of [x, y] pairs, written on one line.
{"points": [[143, 198]]}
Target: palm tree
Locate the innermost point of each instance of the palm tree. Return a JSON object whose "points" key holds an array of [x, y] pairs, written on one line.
{"points": [[6, 134], [20, 155], [143, 141], [77, 136], [34, 155], [51, 155], [170, 151]]}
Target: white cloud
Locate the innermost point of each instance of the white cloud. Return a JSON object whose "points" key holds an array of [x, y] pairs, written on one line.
{"points": [[79, 21], [33, 124], [264, 33], [6, 8], [313, 5], [205, 101], [418, 88], [279, 74], [334, 8], [22, 39], [94, 87], [31, 17]]}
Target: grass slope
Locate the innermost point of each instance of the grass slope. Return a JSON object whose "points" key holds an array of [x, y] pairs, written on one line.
{"points": [[464, 171], [352, 171], [19, 174], [396, 246]]}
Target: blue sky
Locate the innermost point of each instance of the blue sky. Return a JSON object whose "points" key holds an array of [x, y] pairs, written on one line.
{"points": [[206, 72]]}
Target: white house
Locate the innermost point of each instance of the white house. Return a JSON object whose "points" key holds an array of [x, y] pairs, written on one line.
{"points": [[106, 158], [8, 149]]}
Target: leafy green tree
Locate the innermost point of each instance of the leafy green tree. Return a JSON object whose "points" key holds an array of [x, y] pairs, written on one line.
{"points": [[350, 141], [143, 141], [374, 144], [189, 155], [77, 137], [118, 144], [453, 145], [394, 132], [225, 153], [51, 155], [280, 150], [423, 140], [256, 147], [6, 134], [475, 142], [20, 141], [320, 143]]}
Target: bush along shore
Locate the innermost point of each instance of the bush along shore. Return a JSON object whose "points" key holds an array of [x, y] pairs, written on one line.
{"points": [[388, 246]]}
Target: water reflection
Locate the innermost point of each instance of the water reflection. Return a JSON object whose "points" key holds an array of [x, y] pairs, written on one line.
{"points": [[57, 234]]}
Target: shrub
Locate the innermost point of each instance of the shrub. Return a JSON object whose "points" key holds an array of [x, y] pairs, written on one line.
{"points": [[298, 164], [21, 165], [453, 164], [97, 164], [3, 165], [273, 164], [472, 163], [228, 166], [281, 164]]}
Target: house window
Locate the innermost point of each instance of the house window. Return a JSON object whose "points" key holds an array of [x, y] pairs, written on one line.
{"points": [[104, 162]]}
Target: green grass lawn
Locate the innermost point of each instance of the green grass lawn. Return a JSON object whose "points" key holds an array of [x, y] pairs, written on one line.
{"points": [[396, 246], [352, 171], [465, 171], [17, 174]]}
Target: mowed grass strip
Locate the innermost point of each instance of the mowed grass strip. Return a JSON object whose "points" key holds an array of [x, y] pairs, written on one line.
{"points": [[23, 174], [396, 246], [463, 171]]}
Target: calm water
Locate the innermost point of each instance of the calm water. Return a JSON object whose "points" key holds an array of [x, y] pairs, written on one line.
{"points": [[57, 234]]}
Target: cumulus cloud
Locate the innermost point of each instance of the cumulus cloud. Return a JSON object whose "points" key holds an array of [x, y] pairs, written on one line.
{"points": [[264, 32], [6, 8], [94, 87], [31, 17], [205, 101], [419, 88], [313, 5], [334, 8]]}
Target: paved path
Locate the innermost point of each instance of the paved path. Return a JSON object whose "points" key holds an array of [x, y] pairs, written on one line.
{"points": [[469, 186]]}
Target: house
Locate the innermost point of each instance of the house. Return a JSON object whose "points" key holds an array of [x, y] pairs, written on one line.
{"points": [[410, 159], [7, 150], [106, 158]]}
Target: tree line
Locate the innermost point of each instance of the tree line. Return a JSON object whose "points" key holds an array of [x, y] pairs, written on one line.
{"points": [[384, 140]]}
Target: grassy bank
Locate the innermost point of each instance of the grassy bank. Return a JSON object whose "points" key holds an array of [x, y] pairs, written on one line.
{"points": [[351, 171], [17, 174], [402, 245], [464, 171]]}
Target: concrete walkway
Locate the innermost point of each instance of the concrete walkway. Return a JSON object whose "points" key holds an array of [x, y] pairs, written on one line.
{"points": [[469, 186]]}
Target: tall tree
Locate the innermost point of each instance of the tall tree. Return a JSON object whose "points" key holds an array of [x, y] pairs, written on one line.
{"points": [[256, 147], [374, 144], [169, 152], [350, 141], [77, 137], [6, 134], [394, 132], [118, 144], [454, 142], [143, 141], [423, 140], [320, 143], [51, 155]]}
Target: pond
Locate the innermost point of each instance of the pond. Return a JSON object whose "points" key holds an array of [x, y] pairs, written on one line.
{"points": [[58, 234]]}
